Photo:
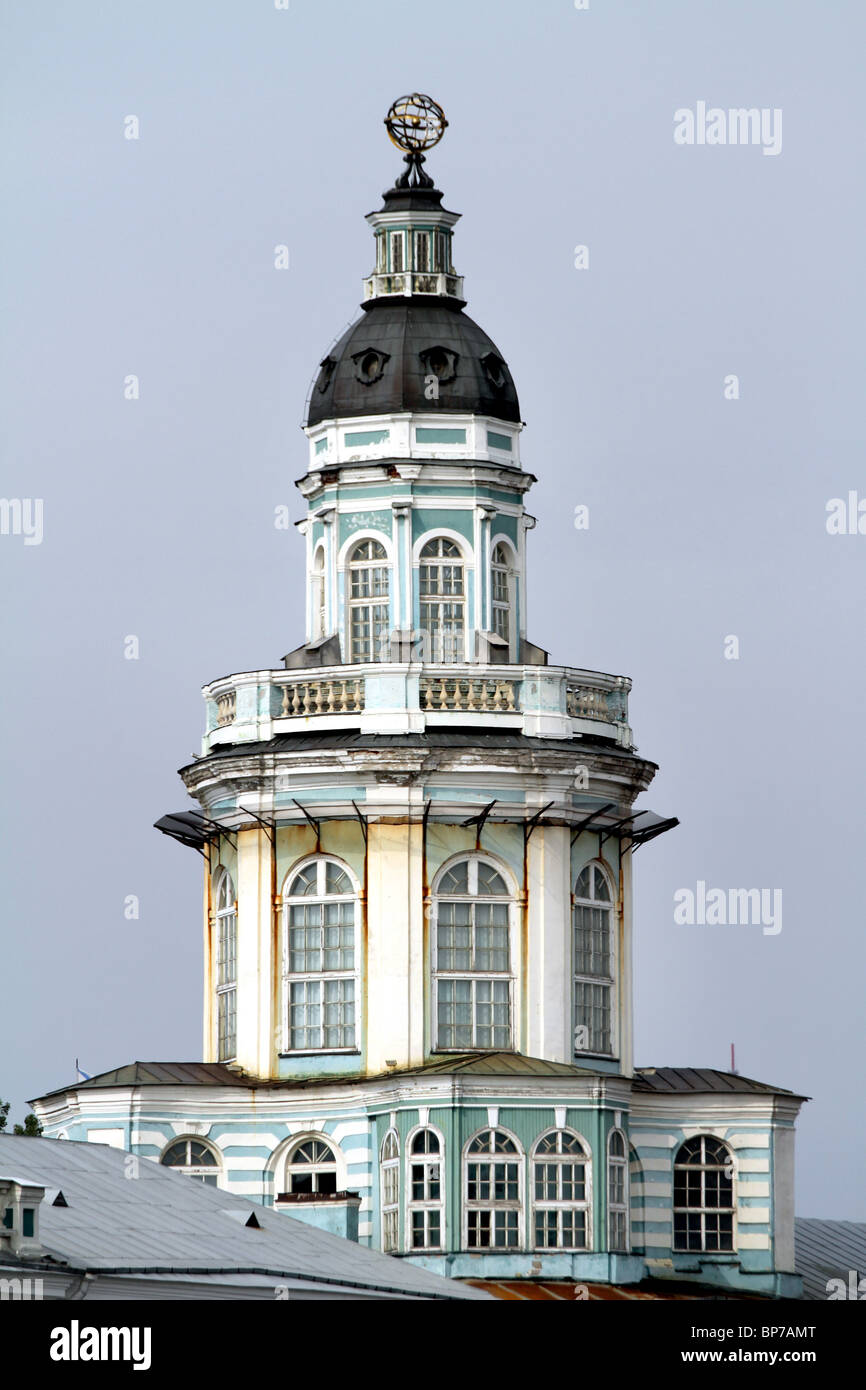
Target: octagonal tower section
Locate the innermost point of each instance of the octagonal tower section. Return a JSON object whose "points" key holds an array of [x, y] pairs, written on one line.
{"points": [[418, 831]]}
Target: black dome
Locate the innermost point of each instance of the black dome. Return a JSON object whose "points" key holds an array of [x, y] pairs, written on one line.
{"points": [[379, 365]]}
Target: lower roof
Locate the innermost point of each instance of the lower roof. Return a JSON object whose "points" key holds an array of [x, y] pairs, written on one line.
{"points": [[658, 1080], [166, 1225]]}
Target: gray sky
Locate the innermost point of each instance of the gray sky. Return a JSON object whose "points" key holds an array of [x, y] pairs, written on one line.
{"points": [[707, 516]]}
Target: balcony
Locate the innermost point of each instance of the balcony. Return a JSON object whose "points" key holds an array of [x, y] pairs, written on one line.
{"points": [[392, 698]]}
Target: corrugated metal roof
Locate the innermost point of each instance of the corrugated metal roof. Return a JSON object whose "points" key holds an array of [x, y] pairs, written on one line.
{"points": [[160, 1221], [828, 1250], [702, 1079]]}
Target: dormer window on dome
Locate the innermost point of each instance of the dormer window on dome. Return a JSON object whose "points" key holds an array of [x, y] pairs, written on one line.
{"points": [[370, 365]]}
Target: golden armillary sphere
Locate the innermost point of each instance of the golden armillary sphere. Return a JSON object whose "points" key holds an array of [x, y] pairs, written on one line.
{"points": [[415, 123]]}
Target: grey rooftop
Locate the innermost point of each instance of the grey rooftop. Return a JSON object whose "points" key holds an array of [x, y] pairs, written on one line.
{"points": [[127, 1216]]}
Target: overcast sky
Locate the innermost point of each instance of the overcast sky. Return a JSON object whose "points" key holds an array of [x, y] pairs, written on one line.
{"points": [[154, 257]]}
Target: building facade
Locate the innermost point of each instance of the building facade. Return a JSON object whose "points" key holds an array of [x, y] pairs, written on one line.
{"points": [[418, 838]]}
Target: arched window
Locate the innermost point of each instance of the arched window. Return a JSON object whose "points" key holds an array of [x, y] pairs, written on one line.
{"points": [[368, 602], [472, 958], [443, 599], [499, 589], [593, 962], [703, 1195], [425, 1195], [311, 1166], [318, 593], [226, 967], [390, 1188], [617, 1191], [319, 953], [194, 1159], [560, 1192], [492, 1204]]}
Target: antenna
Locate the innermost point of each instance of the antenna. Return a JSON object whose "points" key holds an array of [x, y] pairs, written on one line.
{"points": [[733, 1060]]}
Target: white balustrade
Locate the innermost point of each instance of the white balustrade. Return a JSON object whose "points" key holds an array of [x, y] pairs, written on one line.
{"points": [[308, 697], [468, 694]]}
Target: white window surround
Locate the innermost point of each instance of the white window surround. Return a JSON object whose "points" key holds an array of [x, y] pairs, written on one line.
{"points": [[198, 1159], [396, 252], [704, 1197], [554, 1156], [427, 1207], [389, 1191], [314, 1156], [498, 1177], [318, 591], [368, 602], [443, 600], [225, 939], [483, 1011], [618, 1195], [279, 1161], [602, 987], [504, 580], [333, 943]]}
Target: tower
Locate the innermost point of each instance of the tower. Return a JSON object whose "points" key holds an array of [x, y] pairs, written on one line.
{"points": [[418, 837]]}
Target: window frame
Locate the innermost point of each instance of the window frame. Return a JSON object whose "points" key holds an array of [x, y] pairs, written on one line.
{"points": [[397, 238], [424, 1205], [389, 1203], [623, 1208], [295, 1144], [449, 647], [703, 1210], [318, 598], [518, 1158], [225, 932], [505, 567], [609, 982], [367, 602], [421, 237], [290, 977], [508, 977], [200, 1172], [559, 1160]]}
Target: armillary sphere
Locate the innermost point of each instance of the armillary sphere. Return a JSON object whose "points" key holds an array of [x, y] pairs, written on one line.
{"points": [[415, 123]]}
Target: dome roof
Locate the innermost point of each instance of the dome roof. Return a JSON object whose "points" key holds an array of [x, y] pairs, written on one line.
{"points": [[380, 364]]}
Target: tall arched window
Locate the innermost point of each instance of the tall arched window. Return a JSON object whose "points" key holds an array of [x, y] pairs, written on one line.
{"points": [[425, 1195], [492, 1206], [318, 593], [319, 954], [368, 602], [500, 593], [226, 918], [194, 1159], [389, 1161], [703, 1195], [472, 958], [560, 1192], [311, 1166], [593, 962], [443, 599], [617, 1191]]}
